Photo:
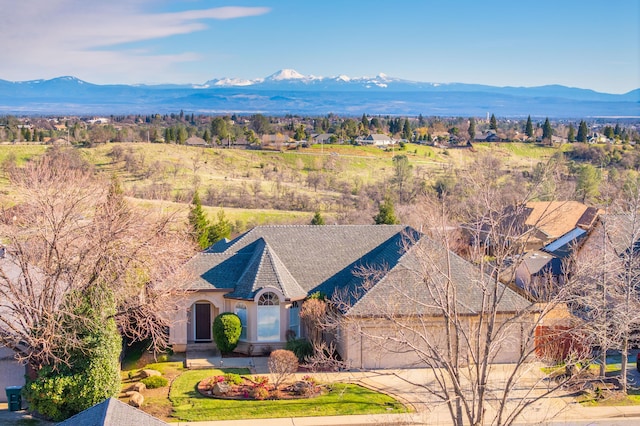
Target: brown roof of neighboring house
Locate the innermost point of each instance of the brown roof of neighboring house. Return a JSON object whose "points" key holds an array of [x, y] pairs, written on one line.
{"points": [[556, 218], [195, 141]]}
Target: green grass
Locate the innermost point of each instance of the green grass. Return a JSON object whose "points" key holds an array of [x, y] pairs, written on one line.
{"points": [[21, 152], [343, 399], [165, 367]]}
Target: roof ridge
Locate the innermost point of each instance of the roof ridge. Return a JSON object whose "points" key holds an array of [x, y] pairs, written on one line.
{"points": [[256, 256], [277, 264]]}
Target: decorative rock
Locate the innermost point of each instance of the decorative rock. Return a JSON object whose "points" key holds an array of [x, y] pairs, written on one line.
{"points": [[139, 387], [302, 387], [150, 373], [220, 389], [135, 399]]}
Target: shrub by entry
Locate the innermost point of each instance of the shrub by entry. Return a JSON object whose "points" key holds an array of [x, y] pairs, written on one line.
{"points": [[282, 364], [226, 331]]}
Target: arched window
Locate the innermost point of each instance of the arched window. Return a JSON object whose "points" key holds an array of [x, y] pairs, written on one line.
{"points": [[241, 312], [269, 317], [268, 299]]}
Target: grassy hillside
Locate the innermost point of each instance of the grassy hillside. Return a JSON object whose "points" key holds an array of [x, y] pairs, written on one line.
{"points": [[256, 187]]}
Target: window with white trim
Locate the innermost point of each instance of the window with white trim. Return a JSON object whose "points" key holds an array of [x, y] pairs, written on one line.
{"points": [[241, 312], [294, 319], [268, 317]]}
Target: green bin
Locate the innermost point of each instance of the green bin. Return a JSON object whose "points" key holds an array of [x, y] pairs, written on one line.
{"points": [[14, 397]]}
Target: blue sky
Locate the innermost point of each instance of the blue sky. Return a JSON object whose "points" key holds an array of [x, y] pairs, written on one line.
{"points": [[587, 44]]}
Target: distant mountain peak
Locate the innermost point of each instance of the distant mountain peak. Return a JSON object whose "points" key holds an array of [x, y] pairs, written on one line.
{"points": [[68, 78], [286, 74]]}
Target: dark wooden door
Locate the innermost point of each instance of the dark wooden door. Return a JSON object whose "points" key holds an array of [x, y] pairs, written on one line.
{"points": [[203, 321]]}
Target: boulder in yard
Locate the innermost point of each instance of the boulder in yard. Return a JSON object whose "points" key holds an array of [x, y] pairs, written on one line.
{"points": [[150, 373], [220, 389], [135, 399], [139, 387]]}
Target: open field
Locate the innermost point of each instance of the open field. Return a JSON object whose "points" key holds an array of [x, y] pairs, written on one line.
{"points": [[260, 187]]}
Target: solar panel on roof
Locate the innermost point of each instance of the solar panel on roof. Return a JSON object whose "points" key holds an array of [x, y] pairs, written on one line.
{"points": [[565, 239]]}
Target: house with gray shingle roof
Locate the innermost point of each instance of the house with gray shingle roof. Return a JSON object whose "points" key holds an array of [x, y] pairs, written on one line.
{"points": [[112, 412], [265, 274], [378, 139]]}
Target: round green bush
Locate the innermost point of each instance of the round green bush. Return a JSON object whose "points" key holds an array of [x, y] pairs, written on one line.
{"points": [[154, 382], [301, 347], [226, 331]]}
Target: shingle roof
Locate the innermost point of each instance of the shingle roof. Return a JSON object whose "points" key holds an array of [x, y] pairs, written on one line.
{"points": [[296, 258], [264, 270], [556, 218], [364, 264], [414, 285], [112, 412]]}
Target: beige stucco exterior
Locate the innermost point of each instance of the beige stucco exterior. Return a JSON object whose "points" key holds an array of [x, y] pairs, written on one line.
{"points": [[366, 343], [181, 333]]}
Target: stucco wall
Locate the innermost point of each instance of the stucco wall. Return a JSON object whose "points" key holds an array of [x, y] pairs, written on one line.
{"points": [[369, 344], [181, 330]]}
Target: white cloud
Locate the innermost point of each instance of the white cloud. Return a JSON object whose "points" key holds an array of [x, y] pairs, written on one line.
{"points": [[47, 38]]}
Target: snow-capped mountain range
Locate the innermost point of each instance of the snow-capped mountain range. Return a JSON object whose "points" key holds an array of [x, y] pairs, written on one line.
{"points": [[290, 76], [290, 92]]}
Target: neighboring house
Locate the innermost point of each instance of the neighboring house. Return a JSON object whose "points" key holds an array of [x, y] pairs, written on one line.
{"points": [[598, 138], [265, 274], [322, 138], [196, 141], [112, 412], [489, 136], [275, 139], [377, 139], [11, 371], [619, 232], [553, 219], [540, 270], [540, 223]]}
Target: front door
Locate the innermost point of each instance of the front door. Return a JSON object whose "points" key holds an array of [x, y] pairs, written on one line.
{"points": [[203, 321]]}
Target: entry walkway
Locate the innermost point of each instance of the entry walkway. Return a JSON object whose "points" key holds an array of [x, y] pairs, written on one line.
{"points": [[201, 360]]}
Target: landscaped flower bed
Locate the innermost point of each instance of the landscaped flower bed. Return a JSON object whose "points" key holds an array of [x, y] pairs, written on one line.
{"points": [[234, 386]]}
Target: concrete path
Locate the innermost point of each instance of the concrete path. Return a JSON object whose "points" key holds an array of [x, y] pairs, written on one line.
{"points": [[200, 360]]}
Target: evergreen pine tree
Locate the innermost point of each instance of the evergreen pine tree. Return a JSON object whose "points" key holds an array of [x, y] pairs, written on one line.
{"points": [[472, 128], [317, 218], [583, 131], [493, 123], [386, 214], [198, 223], [406, 130], [220, 229], [365, 121], [572, 133], [528, 128], [547, 131]]}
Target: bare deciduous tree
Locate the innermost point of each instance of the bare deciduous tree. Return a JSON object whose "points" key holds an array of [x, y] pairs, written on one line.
{"points": [[608, 269], [458, 321], [68, 231]]}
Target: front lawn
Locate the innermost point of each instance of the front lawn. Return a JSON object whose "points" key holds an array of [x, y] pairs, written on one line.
{"points": [[342, 399]]}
